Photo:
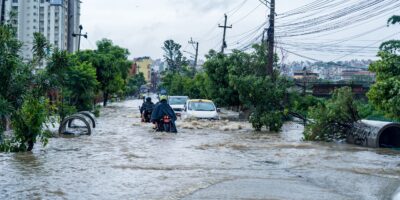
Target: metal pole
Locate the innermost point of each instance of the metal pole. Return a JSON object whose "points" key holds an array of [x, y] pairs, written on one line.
{"points": [[271, 40], [79, 39], [223, 38]]}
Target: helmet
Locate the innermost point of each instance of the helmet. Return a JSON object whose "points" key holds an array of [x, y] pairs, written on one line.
{"points": [[148, 99], [163, 97]]}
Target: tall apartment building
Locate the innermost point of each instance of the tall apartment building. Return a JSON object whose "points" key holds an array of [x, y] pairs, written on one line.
{"points": [[55, 19]]}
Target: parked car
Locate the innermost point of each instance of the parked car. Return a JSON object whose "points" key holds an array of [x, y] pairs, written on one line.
{"points": [[200, 109], [177, 103]]}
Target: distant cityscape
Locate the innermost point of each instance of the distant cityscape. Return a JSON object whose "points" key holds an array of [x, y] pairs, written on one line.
{"points": [[353, 70]]}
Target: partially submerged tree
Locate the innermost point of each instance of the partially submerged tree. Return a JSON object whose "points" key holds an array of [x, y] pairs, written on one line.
{"points": [[333, 119], [217, 69], [112, 66], [19, 97]]}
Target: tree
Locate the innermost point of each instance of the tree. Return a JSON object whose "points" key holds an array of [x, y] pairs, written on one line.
{"points": [[333, 119], [133, 84], [394, 19], [40, 48], [28, 124], [385, 93], [81, 83], [217, 71], [18, 97], [112, 65], [173, 56]]}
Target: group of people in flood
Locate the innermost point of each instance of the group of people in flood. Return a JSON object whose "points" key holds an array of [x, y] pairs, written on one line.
{"points": [[161, 114]]}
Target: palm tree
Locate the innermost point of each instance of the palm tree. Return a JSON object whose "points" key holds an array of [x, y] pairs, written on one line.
{"points": [[40, 48]]}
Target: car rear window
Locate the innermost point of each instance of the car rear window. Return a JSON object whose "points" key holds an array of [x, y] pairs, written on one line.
{"points": [[201, 106], [177, 100]]}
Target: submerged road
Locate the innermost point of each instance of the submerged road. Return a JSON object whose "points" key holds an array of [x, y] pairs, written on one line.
{"points": [[124, 159]]}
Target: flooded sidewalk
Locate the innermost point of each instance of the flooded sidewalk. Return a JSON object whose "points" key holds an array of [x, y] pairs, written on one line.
{"points": [[125, 159]]}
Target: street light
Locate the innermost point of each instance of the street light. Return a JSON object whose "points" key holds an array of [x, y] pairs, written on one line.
{"points": [[79, 35]]}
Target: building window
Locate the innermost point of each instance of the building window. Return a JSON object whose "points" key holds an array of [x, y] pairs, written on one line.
{"points": [[15, 1]]}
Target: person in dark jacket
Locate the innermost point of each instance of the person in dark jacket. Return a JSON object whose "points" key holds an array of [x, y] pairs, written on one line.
{"points": [[162, 113], [146, 110]]}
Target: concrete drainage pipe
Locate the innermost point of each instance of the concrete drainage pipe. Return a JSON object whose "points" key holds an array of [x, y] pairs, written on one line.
{"points": [[375, 134], [88, 115], [80, 127]]}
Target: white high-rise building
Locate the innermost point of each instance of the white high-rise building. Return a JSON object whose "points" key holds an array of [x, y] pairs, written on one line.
{"points": [[55, 19]]}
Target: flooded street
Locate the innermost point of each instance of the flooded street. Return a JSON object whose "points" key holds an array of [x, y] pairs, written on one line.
{"points": [[124, 159]]}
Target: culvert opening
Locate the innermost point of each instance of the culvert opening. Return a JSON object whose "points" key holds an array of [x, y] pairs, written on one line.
{"points": [[390, 137]]}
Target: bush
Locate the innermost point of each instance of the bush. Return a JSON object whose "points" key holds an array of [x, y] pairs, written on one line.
{"points": [[28, 124], [96, 111], [331, 120]]}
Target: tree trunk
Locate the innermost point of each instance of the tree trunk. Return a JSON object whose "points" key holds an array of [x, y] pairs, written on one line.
{"points": [[105, 99], [3, 123], [30, 145]]}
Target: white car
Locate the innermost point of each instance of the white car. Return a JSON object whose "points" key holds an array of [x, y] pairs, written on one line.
{"points": [[200, 109], [177, 103]]}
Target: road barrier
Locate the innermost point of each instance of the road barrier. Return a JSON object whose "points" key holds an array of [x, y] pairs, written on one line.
{"points": [[375, 134], [84, 124]]}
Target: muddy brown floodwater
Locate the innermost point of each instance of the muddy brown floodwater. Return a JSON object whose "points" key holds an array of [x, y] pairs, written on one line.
{"points": [[124, 159]]}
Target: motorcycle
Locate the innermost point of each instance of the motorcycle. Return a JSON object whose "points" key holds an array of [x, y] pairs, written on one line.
{"points": [[146, 116], [165, 124]]}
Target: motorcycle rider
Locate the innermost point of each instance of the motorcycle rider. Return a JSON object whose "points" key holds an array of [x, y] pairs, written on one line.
{"points": [[163, 113], [146, 110]]}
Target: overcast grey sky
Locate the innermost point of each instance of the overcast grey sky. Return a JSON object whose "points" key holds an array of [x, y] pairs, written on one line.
{"points": [[143, 25]]}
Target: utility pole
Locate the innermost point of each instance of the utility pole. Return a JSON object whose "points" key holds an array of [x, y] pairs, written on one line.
{"points": [[71, 25], [3, 12], [223, 39], [304, 81], [271, 40], [79, 35], [197, 51]]}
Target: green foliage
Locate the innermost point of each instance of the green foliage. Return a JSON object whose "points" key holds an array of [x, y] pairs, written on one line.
{"points": [[96, 111], [20, 95], [331, 120], [5, 110], [302, 104], [28, 124], [40, 48], [394, 19], [112, 66], [173, 56], [15, 76], [385, 93], [217, 71], [134, 83], [178, 84], [265, 97], [81, 82], [59, 63], [391, 46], [368, 111]]}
